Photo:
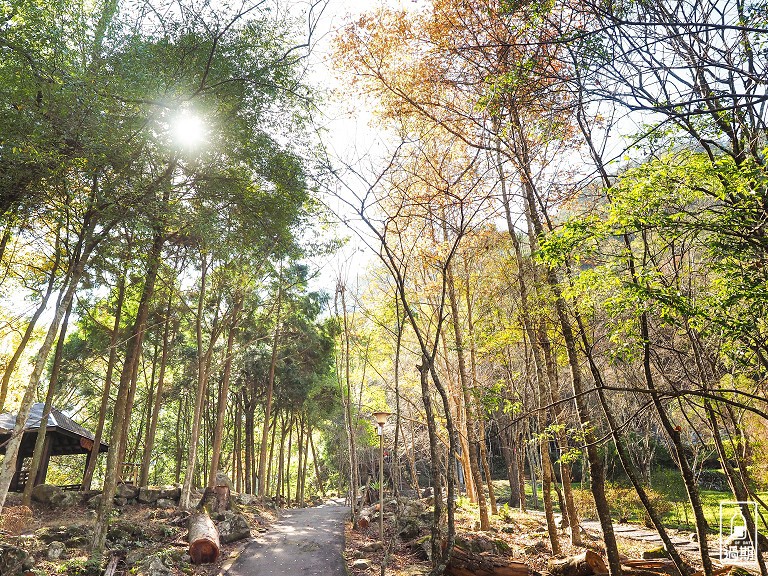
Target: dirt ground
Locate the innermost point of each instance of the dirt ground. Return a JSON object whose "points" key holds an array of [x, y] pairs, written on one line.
{"points": [[522, 537], [136, 532]]}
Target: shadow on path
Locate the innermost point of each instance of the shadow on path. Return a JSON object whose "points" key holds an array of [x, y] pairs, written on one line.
{"points": [[304, 542]]}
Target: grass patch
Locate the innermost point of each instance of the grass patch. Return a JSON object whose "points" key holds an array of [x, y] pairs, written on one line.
{"points": [[668, 492]]}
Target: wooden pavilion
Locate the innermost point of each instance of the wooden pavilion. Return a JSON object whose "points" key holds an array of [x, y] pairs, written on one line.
{"points": [[63, 436]]}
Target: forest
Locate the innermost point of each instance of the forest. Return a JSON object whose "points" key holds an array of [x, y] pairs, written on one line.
{"points": [[563, 298]]}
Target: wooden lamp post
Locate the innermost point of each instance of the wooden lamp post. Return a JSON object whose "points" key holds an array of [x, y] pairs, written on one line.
{"points": [[381, 419]]}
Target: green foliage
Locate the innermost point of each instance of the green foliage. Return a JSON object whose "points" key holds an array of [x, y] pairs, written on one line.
{"points": [[79, 567], [681, 201], [624, 502]]}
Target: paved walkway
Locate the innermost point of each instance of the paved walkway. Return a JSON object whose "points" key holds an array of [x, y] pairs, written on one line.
{"points": [[640, 533], [304, 542]]}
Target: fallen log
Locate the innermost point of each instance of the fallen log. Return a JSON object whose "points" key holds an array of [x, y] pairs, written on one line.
{"points": [[111, 566], [727, 569], [464, 563], [203, 539], [584, 564], [658, 567]]}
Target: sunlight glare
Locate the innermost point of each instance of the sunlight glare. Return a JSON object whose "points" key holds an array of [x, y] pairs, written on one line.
{"points": [[189, 130]]}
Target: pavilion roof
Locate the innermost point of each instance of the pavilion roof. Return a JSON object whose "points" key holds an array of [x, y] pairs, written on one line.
{"points": [[56, 419]]}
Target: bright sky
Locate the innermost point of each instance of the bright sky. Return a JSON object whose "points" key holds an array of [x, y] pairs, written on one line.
{"points": [[347, 133]]}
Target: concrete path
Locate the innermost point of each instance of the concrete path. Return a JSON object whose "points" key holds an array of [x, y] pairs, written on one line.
{"points": [[304, 542], [640, 533]]}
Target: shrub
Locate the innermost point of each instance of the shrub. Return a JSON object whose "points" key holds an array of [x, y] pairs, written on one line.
{"points": [[79, 567], [584, 503]]}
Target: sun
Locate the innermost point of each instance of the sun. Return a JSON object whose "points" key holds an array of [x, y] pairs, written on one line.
{"points": [[189, 130]]}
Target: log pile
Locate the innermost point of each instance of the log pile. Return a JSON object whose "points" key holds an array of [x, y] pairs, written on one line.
{"points": [[203, 539], [367, 515]]}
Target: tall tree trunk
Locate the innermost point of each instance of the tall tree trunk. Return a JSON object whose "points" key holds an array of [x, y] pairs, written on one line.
{"points": [[98, 434], [569, 511], [468, 402], [345, 388], [479, 416], [396, 480], [520, 453], [279, 489], [133, 350], [299, 463], [304, 457], [200, 393], [270, 459], [224, 392], [179, 451], [129, 412], [238, 472], [249, 407], [315, 461], [460, 417], [434, 460], [149, 442], [37, 455], [262, 479], [596, 469], [291, 423]]}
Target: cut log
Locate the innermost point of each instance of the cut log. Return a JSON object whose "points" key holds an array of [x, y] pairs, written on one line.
{"points": [[464, 563], [203, 539], [584, 564], [367, 514]]}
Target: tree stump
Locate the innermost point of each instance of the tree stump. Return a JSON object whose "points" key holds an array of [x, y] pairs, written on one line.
{"points": [[216, 501], [203, 539], [584, 564]]}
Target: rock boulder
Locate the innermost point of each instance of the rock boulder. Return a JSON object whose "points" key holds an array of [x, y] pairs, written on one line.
{"points": [[46, 493], [165, 503], [170, 493], [233, 527], [12, 560], [55, 550], [246, 499], [149, 494], [361, 564], [126, 491], [154, 566]]}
